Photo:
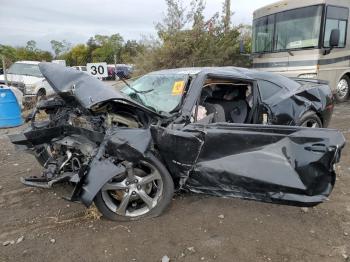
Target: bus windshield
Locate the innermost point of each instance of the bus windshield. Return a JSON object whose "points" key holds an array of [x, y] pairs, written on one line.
{"points": [[292, 29]]}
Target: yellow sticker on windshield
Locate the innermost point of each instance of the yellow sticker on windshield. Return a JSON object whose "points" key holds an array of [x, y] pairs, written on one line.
{"points": [[178, 88]]}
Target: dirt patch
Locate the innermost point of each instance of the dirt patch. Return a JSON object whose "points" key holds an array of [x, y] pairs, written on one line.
{"points": [[195, 228]]}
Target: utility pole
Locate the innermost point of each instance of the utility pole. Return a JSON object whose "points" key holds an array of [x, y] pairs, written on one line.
{"points": [[115, 66], [227, 14], [4, 68]]}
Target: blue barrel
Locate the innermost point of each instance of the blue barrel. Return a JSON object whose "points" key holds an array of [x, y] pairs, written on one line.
{"points": [[10, 111]]}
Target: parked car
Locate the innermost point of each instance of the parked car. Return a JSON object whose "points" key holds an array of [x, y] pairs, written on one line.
{"points": [[26, 76], [127, 151], [80, 68], [123, 69]]}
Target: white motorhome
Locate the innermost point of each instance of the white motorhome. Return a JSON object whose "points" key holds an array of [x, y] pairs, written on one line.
{"points": [[307, 39]]}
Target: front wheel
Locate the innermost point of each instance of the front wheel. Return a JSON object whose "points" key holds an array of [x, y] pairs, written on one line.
{"points": [[310, 119], [145, 190], [343, 89]]}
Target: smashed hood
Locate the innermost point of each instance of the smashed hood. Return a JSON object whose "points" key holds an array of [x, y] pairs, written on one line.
{"points": [[88, 91]]}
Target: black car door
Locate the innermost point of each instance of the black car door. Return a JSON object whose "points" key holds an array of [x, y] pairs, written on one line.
{"points": [[290, 165]]}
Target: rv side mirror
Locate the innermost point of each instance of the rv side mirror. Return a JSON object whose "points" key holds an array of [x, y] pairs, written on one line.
{"points": [[334, 38]]}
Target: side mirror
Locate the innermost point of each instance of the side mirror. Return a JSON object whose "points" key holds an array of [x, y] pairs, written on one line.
{"points": [[334, 38]]}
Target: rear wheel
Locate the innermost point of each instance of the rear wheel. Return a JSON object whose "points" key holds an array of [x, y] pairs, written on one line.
{"points": [[310, 119], [343, 88], [145, 190]]}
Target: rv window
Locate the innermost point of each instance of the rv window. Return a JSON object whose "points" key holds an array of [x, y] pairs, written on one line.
{"points": [[263, 34], [337, 18], [298, 28]]}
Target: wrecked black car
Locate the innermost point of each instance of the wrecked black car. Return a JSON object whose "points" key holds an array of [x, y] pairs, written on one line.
{"points": [[128, 151]]}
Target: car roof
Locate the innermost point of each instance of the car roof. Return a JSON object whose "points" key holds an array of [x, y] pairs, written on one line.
{"points": [[239, 72], [28, 62]]}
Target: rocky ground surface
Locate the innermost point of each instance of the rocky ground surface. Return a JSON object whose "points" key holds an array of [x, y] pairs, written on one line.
{"points": [[38, 225]]}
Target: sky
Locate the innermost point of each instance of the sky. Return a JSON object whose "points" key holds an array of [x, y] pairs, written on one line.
{"points": [[77, 20]]}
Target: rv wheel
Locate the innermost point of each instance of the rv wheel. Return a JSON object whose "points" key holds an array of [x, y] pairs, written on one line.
{"points": [[342, 91]]}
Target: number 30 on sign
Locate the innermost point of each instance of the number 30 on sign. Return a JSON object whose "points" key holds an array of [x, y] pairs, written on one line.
{"points": [[97, 69]]}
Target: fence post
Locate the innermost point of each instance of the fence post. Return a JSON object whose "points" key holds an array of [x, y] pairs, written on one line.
{"points": [[4, 68]]}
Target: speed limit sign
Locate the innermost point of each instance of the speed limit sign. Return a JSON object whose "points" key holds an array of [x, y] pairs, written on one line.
{"points": [[97, 69]]}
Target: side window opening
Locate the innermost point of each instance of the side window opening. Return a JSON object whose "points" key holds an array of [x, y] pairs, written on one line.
{"points": [[222, 100], [337, 18], [267, 89]]}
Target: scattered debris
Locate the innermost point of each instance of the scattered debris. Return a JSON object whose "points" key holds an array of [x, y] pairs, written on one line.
{"points": [[165, 258], [202, 258], [221, 216], [15, 164], [52, 240], [6, 243], [20, 239], [121, 226], [346, 233], [304, 209], [191, 249], [312, 231]]}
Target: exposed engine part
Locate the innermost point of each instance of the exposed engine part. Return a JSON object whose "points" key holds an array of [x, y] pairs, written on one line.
{"points": [[127, 121], [75, 164], [69, 156]]}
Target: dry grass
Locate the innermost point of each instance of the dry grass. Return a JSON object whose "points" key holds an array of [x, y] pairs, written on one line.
{"points": [[92, 213]]}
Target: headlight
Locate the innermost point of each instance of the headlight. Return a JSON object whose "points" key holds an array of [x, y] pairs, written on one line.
{"points": [[309, 76], [30, 89]]}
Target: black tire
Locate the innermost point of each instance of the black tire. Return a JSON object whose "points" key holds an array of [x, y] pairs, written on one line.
{"points": [[343, 94], [163, 202], [310, 118], [41, 95]]}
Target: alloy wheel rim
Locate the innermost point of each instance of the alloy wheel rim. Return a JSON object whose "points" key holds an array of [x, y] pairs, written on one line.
{"points": [[136, 194], [311, 124], [342, 88]]}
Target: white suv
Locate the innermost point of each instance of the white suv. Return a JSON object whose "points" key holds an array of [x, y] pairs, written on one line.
{"points": [[26, 76]]}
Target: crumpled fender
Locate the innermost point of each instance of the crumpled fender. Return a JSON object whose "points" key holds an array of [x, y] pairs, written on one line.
{"points": [[101, 171], [124, 144]]}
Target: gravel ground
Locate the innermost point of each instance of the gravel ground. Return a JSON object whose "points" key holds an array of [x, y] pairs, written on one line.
{"points": [[38, 225]]}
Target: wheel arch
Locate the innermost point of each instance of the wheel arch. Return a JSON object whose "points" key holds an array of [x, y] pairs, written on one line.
{"points": [[42, 91], [346, 73]]}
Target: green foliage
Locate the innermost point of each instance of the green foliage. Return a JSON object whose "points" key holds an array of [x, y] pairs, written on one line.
{"points": [[30, 52], [60, 47], [186, 39]]}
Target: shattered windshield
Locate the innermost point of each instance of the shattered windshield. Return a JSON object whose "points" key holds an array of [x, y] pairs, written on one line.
{"points": [[25, 69], [160, 93]]}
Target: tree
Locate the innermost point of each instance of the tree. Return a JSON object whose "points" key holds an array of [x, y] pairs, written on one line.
{"points": [[186, 39], [31, 46], [57, 47], [175, 19], [108, 47], [79, 54], [227, 14]]}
